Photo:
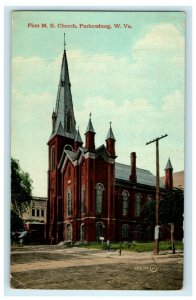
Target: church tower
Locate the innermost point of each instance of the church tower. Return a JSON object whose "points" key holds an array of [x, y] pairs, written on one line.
{"points": [[62, 137], [169, 175]]}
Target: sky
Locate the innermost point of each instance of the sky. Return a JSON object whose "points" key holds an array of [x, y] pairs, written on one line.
{"points": [[132, 76]]}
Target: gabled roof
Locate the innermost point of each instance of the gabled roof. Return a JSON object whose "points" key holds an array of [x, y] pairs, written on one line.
{"points": [[71, 154], [102, 151], [143, 176]]}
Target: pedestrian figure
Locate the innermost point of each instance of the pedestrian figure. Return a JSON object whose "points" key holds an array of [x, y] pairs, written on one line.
{"points": [[108, 245]]}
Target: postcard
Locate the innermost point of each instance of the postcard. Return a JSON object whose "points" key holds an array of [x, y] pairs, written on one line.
{"points": [[97, 150]]}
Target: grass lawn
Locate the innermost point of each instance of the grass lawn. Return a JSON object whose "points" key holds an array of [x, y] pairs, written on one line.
{"points": [[134, 246]]}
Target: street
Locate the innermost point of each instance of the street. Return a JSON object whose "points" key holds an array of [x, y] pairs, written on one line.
{"points": [[56, 267]]}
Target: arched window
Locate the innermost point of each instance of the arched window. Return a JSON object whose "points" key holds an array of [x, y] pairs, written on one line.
{"points": [[69, 202], [148, 206], [138, 198], [83, 200], [149, 198], [82, 232], [125, 231], [68, 232], [99, 196], [52, 158], [125, 195], [62, 83], [99, 230], [68, 147]]}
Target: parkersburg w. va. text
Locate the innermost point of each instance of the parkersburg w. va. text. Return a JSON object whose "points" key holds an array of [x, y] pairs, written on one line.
{"points": [[79, 26]]}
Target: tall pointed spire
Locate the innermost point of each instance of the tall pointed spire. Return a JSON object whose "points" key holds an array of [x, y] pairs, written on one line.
{"points": [[65, 118], [110, 134], [110, 142], [64, 42], [78, 137], [90, 136], [169, 165], [90, 125], [78, 141]]}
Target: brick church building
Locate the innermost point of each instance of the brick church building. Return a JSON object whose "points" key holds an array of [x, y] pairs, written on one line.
{"points": [[90, 195]]}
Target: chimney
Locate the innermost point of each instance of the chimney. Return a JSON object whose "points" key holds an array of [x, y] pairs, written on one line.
{"points": [[133, 176]]}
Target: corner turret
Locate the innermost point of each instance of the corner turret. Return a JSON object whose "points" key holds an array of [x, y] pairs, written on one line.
{"points": [[90, 136], [110, 142], [169, 175]]}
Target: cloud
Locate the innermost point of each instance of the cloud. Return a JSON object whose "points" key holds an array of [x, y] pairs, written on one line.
{"points": [[173, 102], [162, 37], [154, 66], [141, 93]]}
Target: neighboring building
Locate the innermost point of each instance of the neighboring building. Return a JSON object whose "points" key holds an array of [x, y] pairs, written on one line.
{"points": [[35, 218], [178, 179], [90, 195]]}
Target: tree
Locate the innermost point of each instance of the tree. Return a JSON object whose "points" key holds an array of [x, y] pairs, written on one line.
{"points": [[21, 193], [171, 208]]}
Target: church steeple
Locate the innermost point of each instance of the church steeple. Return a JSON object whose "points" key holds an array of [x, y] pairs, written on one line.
{"points": [[64, 123]]}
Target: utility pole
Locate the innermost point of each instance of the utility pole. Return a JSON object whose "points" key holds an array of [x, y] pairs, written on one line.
{"points": [[156, 233]]}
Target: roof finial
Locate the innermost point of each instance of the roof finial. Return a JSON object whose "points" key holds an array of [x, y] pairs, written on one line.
{"points": [[90, 115], [64, 41], [110, 124]]}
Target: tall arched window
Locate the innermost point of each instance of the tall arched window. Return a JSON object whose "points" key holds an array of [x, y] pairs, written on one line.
{"points": [[69, 202], [52, 158], [148, 206], [125, 195], [99, 196], [138, 198], [125, 231], [83, 200], [68, 232], [99, 230]]}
